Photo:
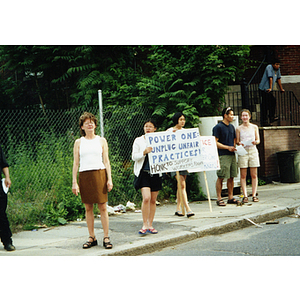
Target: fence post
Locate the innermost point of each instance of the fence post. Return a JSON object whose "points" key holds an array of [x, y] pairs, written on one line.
{"points": [[101, 113], [245, 94]]}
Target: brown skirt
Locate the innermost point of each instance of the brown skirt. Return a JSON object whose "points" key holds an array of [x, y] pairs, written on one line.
{"points": [[93, 186]]}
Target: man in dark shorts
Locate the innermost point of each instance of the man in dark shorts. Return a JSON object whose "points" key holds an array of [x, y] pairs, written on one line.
{"points": [[224, 132]]}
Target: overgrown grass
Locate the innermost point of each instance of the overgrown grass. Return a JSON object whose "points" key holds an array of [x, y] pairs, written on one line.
{"points": [[41, 191]]}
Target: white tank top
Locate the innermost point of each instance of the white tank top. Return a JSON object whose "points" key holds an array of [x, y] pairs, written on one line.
{"points": [[247, 135], [90, 154]]}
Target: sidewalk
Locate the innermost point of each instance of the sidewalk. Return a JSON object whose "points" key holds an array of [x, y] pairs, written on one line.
{"points": [[276, 200]]}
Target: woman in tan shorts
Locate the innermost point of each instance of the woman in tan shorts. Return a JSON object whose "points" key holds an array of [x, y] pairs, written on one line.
{"points": [[91, 157], [248, 136]]}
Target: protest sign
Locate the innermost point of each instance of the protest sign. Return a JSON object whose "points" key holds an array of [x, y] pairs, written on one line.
{"points": [[181, 150], [209, 155]]}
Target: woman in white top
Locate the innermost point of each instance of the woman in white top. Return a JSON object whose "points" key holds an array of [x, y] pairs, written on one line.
{"points": [[91, 157], [149, 184], [179, 122], [247, 135]]}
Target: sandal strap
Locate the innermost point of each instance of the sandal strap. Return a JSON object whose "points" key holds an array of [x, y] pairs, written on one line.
{"points": [[221, 203], [105, 244]]}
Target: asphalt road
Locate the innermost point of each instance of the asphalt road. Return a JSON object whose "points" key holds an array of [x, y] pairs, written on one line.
{"points": [[271, 240]]}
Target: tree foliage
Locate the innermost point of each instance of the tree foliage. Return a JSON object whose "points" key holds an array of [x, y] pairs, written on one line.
{"points": [[192, 79]]}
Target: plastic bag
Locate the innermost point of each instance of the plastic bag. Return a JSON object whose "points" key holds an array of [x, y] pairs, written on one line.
{"points": [[130, 205], [120, 208]]}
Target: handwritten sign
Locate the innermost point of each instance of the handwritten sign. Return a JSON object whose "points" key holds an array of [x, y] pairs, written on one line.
{"points": [[209, 154], [181, 150]]}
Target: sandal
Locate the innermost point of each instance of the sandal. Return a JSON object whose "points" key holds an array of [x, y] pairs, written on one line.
{"points": [[221, 203], [179, 214], [107, 245], [142, 231], [245, 200], [255, 199], [152, 230], [88, 244], [233, 201], [190, 214]]}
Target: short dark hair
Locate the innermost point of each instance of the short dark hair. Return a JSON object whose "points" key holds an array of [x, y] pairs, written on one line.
{"points": [[275, 60], [226, 111], [150, 121], [176, 117]]}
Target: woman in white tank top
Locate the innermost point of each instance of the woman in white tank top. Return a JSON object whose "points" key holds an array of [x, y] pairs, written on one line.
{"points": [[247, 135], [91, 157]]}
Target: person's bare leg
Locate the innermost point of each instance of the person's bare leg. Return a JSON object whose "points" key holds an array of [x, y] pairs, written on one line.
{"points": [[146, 193], [178, 206], [104, 218], [219, 184], [230, 187], [152, 209], [184, 193], [254, 182], [243, 173], [105, 224], [89, 216]]}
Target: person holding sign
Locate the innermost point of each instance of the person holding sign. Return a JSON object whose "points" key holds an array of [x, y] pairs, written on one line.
{"points": [[247, 135], [149, 184], [179, 122], [225, 135]]}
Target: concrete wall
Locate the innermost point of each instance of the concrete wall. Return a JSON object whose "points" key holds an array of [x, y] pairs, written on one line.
{"points": [[275, 139], [291, 83]]}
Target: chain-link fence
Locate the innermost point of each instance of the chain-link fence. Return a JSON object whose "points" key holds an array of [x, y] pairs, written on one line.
{"points": [[39, 149]]}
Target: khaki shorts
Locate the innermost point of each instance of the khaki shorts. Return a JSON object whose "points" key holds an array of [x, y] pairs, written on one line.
{"points": [[228, 166], [251, 159]]}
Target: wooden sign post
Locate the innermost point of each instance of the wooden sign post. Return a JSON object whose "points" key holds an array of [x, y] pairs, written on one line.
{"points": [[207, 190]]}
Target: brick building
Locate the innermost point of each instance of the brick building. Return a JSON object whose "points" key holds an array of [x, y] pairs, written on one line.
{"points": [[290, 67], [275, 138]]}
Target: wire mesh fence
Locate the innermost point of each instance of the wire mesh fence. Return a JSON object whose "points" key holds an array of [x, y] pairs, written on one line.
{"points": [[38, 146]]}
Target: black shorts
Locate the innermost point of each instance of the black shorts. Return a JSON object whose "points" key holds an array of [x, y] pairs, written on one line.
{"points": [[154, 182]]}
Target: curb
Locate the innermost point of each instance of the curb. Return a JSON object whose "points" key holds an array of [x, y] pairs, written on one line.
{"points": [[143, 247]]}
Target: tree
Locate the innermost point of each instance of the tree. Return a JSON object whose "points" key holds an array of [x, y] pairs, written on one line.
{"points": [[29, 73], [192, 79]]}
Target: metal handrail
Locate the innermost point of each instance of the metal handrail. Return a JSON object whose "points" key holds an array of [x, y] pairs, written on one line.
{"points": [[256, 71]]}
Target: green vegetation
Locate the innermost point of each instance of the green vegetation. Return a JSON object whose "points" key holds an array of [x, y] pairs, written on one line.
{"points": [[44, 90]]}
